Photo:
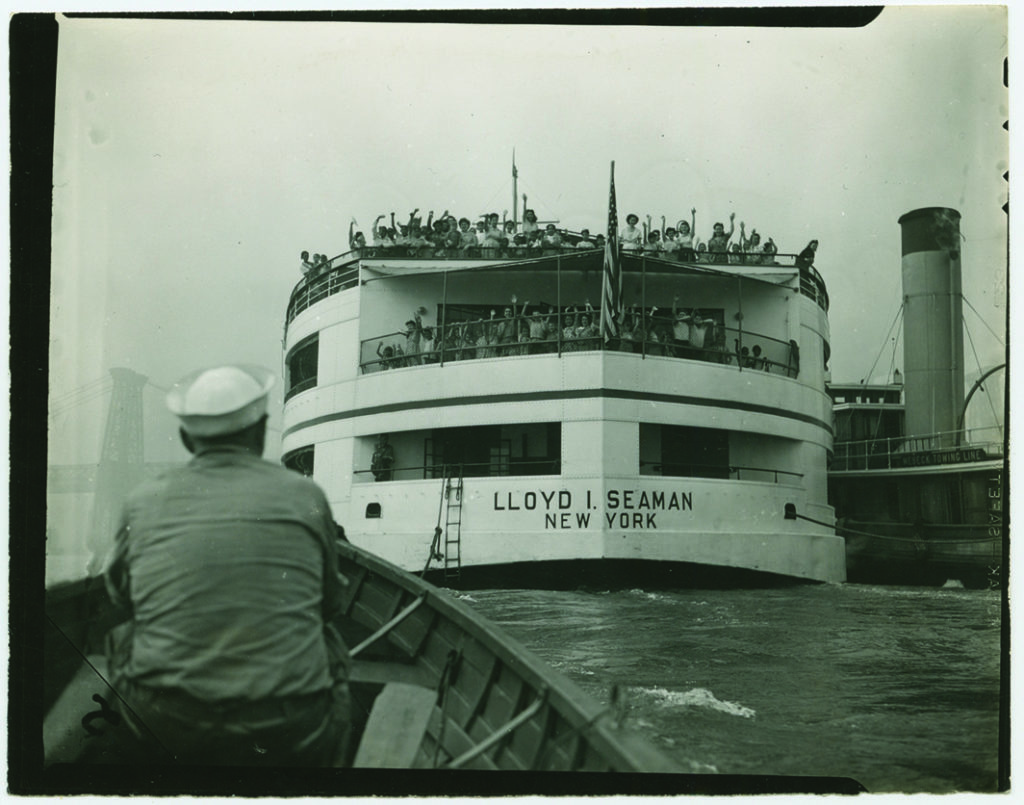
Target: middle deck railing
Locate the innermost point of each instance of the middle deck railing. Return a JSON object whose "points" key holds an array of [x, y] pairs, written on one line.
{"points": [[561, 333]]}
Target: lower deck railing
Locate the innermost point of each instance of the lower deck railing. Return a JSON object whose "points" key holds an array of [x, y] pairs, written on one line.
{"points": [[530, 467]]}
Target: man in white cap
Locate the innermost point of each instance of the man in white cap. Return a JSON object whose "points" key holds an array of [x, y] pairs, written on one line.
{"points": [[228, 566]]}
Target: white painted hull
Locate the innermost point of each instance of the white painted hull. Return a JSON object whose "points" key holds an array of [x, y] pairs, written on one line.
{"points": [[511, 520], [604, 502]]}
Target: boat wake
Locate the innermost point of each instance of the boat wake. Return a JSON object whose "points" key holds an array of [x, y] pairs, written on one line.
{"points": [[699, 697], [649, 596]]}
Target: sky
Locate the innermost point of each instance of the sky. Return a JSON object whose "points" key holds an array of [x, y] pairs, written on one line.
{"points": [[194, 160]]}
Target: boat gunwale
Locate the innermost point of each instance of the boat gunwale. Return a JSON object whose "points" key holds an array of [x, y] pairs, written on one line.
{"points": [[578, 708]]}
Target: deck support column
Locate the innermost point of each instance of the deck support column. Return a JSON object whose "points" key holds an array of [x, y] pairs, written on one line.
{"points": [[739, 316], [643, 308], [558, 301], [444, 315]]}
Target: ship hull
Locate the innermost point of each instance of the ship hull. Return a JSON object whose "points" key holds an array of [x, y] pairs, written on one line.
{"points": [[559, 450], [925, 526]]}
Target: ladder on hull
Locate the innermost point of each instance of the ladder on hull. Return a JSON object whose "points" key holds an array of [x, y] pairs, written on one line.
{"points": [[453, 526], [446, 546]]}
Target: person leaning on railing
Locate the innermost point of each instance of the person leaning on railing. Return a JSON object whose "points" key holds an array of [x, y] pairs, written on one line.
{"points": [[757, 361], [630, 328], [684, 236], [806, 258], [306, 266], [631, 236], [718, 243], [752, 246], [452, 236], [551, 242], [383, 459], [413, 334], [586, 331], [467, 235], [680, 329], [507, 329], [492, 236], [653, 244], [382, 236], [698, 333], [356, 240], [386, 354], [530, 223], [537, 329]]}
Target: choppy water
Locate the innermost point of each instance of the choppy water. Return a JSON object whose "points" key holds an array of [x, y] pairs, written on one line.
{"points": [[896, 687]]}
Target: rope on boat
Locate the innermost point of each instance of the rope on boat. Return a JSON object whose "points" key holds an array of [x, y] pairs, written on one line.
{"points": [[100, 700], [447, 674], [435, 545], [915, 540]]}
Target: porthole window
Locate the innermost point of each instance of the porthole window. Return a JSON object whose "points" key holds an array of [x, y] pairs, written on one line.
{"points": [[372, 511]]}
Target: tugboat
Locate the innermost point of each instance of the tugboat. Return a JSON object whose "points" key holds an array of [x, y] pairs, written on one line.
{"points": [[919, 497], [567, 414]]}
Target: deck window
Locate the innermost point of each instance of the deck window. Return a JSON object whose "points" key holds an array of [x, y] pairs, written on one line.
{"points": [[484, 451], [679, 451], [302, 364]]}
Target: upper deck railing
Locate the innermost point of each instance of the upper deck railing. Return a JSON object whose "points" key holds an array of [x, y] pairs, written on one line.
{"points": [[934, 449], [342, 271]]}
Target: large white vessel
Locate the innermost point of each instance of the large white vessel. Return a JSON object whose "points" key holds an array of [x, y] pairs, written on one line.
{"points": [[454, 432]]}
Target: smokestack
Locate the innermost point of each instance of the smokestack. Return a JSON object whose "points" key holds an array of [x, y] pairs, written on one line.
{"points": [[933, 341]]}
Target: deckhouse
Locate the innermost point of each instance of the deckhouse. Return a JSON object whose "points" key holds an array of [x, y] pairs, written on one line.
{"points": [[464, 412]]}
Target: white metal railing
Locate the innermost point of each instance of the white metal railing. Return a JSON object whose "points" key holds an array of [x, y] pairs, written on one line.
{"points": [[901, 452]]}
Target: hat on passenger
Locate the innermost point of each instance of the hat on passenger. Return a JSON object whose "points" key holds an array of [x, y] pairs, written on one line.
{"points": [[221, 400]]}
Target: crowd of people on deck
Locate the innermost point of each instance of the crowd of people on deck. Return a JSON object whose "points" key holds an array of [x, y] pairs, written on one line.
{"points": [[492, 236], [520, 331], [315, 265]]}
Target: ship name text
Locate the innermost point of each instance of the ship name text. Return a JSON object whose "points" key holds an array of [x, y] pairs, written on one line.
{"points": [[623, 508]]}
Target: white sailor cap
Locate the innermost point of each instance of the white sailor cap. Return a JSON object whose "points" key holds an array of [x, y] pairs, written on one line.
{"points": [[221, 400]]}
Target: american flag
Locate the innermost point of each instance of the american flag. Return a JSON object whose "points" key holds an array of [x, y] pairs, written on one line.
{"points": [[611, 284]]}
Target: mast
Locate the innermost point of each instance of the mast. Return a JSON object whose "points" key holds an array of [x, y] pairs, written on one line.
{"points": [[515, 190]]}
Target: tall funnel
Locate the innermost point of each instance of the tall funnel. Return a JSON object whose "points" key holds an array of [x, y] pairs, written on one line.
{"points": [[933, 340]]}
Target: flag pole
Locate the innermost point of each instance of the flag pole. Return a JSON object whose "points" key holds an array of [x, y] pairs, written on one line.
{"points": [[611, 279], [515, 190]]}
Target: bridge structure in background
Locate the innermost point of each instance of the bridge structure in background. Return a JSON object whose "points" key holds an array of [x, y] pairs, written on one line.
{"points": [[122, 461]]}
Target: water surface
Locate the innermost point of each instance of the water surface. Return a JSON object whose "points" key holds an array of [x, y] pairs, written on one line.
{"points": [[896, 687]]}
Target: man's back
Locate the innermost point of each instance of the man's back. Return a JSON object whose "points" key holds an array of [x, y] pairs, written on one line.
{"points": [[225, 558]]}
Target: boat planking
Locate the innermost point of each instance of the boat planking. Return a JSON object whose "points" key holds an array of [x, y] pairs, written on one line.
{"points": [[434, 686]]}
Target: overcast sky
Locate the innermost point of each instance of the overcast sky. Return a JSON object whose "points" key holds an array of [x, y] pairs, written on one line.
{"points": [[194, 160]]}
